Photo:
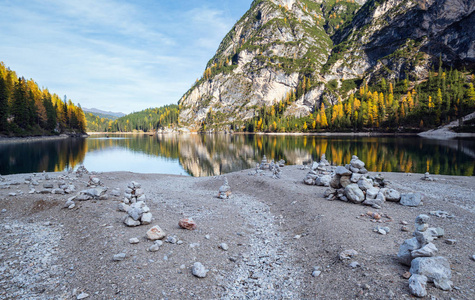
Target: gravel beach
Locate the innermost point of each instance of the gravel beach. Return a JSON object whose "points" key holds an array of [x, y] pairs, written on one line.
{"points": [[272, 239]]}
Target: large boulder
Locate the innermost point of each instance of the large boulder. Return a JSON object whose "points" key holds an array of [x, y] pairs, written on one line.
{"points": [[391, 195], [354, 194], [436, 269], [411, 199], [345, 180]]}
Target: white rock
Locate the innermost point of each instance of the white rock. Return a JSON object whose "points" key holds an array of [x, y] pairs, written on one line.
{"points": [[146, 218], [131, 222], [155, 233], [428, 250], [154, 248], [82, 296], [365, 183], [199, 270], [224, 246], [119, 257], [123, 207], [411, 199], [417, 285], [392, 195], [134, 240], [354, 193], [436, 269]]}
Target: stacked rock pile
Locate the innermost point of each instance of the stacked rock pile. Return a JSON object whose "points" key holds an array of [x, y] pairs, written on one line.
{"points": [[419, 253], [272, 166], [138, 213], [81, 170], [225, 190], [427, 177], [94, 181]]}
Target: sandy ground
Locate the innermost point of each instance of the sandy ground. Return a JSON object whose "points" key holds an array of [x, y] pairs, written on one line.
{"points": [[277, 231]]}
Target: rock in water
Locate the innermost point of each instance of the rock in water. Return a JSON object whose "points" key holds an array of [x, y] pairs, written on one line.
{"points": [[436, 269], [187, 223], [417, 285], [155, 233]]}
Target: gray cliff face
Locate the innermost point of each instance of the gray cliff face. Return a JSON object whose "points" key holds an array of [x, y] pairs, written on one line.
{"points": [[399, 38], [278, 44]]}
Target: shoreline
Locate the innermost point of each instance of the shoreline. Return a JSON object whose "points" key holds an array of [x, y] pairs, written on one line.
{"points": [[6, 140], [275, 232]]}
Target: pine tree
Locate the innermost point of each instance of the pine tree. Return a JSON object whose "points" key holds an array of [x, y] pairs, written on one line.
{"points": [[20, 104], [3, 105]]}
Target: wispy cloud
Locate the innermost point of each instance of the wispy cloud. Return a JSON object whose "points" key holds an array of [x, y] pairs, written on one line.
{"points": [[111, 54]]}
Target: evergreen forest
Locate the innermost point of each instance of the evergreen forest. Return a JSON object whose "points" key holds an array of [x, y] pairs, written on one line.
{"points": [[25, 109]]}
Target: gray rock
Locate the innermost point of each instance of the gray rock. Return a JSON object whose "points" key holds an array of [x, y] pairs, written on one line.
{"points": [[329, 192], [95, 193], [436, 232], [146, 218], [365, 183], [417, 285], [119, 257], [82, 296], [48, 185], [372, 192], [355, 162], [345, 180], [115, 192], [342, 171], [363, 171], [426, 251], [354, 264], [354, 170], [354, 193], [335, 182], [57, 191], [316, 273], [199, 270], [134, 240], [171, 240], [347, 254], [423, 237], [323, 180], [309, 181], [123, 207], [355, 177], [131, 222], [404, 255], [422, 222], [154, 248], [436, 269], [392, 195], [450, 241], [135, 213], [224, 246], [411, 199]]}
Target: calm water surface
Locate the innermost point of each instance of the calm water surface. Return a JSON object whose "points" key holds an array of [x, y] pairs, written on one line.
{"points": [[205, 155]]}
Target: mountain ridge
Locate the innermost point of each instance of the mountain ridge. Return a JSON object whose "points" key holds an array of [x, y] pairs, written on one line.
{"points": [[309, 48]]}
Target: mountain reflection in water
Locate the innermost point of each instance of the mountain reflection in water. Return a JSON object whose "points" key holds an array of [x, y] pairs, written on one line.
{"points": [[207, 155]]}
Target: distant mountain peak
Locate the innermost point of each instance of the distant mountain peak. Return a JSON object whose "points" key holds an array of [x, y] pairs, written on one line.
{"points": [[98, 111]]}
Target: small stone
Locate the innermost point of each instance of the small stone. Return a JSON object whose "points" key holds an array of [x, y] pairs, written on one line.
{"points": [[316, 273], [342, 171], [436, 269], [82, 296], [347, 254], [134, 240], [131, 222], [123, 207], [154, 248], [391, 195], [450, 241], [155, 233], [199, 270], [4, 210], [417, 285], [354, 193], [171, 240], [187, 223], [354, 264], [119, 257], [207, 237], [224, 246], [406, 275], [404, 254], [427, 251], [404, 228]]}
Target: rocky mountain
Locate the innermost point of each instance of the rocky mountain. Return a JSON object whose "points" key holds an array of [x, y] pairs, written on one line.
{"points": [[104, 114], [318, 50]]}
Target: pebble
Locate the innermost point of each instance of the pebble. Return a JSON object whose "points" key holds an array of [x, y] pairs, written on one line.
{"points": [[4, 210], [154, 248], [199, 270], [82, 296], [473, 257], [450, 241], [119, 257], [347, 254], [224, 246], [207, 237], [134, 240], [354, 264], [187, 223], [155, 233]]}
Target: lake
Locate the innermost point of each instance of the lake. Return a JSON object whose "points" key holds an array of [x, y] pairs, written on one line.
{"points": [[206, 155]]}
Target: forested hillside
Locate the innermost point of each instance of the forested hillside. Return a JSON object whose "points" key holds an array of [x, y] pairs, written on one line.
{"points": [[388, 106], [151, 119], [25, 109]]}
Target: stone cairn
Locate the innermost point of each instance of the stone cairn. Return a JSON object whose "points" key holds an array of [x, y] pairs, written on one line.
{"points": [[138, 213], [351, 184], [427, 177], [273, 167], [225, 190], [419, 253]]}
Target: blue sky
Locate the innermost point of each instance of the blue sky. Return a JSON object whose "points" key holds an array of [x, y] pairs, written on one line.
{"points": [[114, 55]]}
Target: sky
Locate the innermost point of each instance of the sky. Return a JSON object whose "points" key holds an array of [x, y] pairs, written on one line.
{"points": [[114, 55]]}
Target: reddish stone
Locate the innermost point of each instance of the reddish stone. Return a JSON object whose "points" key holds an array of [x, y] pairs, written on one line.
{"points": [[187, 224]]}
